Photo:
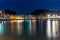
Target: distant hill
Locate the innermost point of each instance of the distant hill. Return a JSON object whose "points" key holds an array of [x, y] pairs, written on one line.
{"points": [[10, 12], [40, 11]]}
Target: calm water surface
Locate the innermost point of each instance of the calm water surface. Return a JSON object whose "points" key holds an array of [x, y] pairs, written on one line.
{"points": [[26, 30]]}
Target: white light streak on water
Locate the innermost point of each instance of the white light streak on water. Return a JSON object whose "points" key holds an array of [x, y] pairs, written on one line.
{"points": [[53, 29], [48, 28]]}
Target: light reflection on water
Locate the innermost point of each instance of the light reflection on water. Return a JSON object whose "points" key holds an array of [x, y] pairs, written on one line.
{"points": [[29, 27], [1, 28]]}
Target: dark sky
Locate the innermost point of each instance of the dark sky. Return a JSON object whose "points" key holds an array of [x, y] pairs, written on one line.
{"points": [[27, 6]]}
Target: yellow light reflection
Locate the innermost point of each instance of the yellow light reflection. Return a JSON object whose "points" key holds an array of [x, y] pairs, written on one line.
{"points": [[33, 24], [12, 23], [12, 26], [19, 26]]}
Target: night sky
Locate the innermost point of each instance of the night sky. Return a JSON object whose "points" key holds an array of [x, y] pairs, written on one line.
{"points": [[27, 6]]}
